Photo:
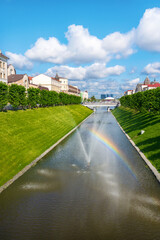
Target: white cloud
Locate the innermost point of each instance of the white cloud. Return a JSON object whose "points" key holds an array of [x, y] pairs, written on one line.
{"points": [[82, 47], [19, 61], [134, 81], [119, 44], [50, 50], [148, 32], [94, 71], [152, 68]]}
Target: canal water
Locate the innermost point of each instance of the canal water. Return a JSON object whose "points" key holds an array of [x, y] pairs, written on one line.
{"points": [[93, 185]]}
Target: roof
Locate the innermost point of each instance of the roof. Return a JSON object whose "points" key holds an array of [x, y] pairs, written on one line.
{"points": [[15, 77], [154, 85], [38, 86], [3, 56], [55, 79], [43, 88]]}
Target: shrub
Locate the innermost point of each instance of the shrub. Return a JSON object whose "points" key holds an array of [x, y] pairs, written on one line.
{"points": [[143, 101], [17, 96], [3, 95], [33, 97]]}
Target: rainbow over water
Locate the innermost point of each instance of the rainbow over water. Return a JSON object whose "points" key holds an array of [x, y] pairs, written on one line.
{"points": [[113, 148]]}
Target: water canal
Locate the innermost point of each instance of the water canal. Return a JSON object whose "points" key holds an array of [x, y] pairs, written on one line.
{"points": [[93, 185]]}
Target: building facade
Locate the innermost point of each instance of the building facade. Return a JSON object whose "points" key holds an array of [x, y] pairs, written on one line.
{"points": [[73, 90], [45, 81], [19, 79], [64, 83], [3, 68], [84, 95], [10, 70]]}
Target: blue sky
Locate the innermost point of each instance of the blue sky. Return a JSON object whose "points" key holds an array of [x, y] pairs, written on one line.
{"points": [[101, 46]]}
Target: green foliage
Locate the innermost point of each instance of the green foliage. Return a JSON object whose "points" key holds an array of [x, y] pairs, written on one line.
{"points": [[147, 101], [33, 97], [17, 96], [93, 99], [3, 95], [44, 98]]}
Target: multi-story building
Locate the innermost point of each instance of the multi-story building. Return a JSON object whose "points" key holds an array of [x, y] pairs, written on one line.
{"points": [[3, 68], [43, 80], [103, 96], [64, 83], [73, 90]]}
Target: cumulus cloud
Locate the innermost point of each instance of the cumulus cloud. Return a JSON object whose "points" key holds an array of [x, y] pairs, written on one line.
{"points": [[19, 61], [82, 47], [152, 68], [148, 31], [50, 50], [94, 71], [134, 81], [119, 44]]}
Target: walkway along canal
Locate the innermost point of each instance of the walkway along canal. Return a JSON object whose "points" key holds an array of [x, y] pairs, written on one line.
{"points": [[93, 185]]}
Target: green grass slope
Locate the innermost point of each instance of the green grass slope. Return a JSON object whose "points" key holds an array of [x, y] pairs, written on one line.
{"points": [[133, 122], [24, 135]]}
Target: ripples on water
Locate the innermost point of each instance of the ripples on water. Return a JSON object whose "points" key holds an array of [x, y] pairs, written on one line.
{"points": [[82, 191]]}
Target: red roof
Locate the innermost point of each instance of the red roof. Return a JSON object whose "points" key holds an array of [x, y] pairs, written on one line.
{"points": [[154, 85], [30, 78]]}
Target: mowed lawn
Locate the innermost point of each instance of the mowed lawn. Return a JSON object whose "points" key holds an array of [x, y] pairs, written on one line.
{"points": [[133, 122], [24, 135]]}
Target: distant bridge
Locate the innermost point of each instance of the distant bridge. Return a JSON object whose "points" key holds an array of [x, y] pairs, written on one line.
{"points": [[101, 104]]}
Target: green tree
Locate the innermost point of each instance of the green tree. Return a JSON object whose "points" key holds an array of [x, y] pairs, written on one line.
{"points": [[3, 95], [33, 97]]}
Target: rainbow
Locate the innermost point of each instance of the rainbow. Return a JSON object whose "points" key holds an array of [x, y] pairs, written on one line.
{"points": [[113, 148]]}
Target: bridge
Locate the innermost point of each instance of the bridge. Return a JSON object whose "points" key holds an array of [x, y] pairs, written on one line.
{"points": [[101, 104]]}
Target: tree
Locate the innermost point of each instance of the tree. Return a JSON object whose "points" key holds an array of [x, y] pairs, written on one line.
{"points": [[93, 99], [3, 95]]}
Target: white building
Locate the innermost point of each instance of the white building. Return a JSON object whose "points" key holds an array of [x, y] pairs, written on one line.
{"points": [[84, 95], [64, 83], [10, 70], [45, 81], [3, 68]]}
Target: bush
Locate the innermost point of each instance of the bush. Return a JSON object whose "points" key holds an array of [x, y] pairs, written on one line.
{"points": [[3, 95], [33, 97], [143, 101], [17, 96]]}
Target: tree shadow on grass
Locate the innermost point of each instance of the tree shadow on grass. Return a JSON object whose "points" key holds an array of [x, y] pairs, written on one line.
{"points": [[153, 145]]}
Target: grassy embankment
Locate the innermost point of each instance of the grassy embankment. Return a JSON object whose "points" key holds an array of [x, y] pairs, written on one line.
{"points": [[133, 122], [24, 135]]}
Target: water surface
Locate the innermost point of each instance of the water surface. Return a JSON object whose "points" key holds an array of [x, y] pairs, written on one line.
{"points": [[84, 190]]}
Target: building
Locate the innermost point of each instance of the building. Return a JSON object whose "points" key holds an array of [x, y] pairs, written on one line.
{"points": [[3, 68], [103, 96], [146, 85], [10, 70], [151, 86], [43, 80], [64, 83], [73, 90], [19, 79], [128, 92], [84, 95]]}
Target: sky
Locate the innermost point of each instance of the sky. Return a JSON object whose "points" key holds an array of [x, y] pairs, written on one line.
{"points": [[104, 46]]}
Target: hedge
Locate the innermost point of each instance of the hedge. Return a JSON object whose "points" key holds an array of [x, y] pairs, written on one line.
{"points": [[3, 95], [147, 101], [17, 96]]}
